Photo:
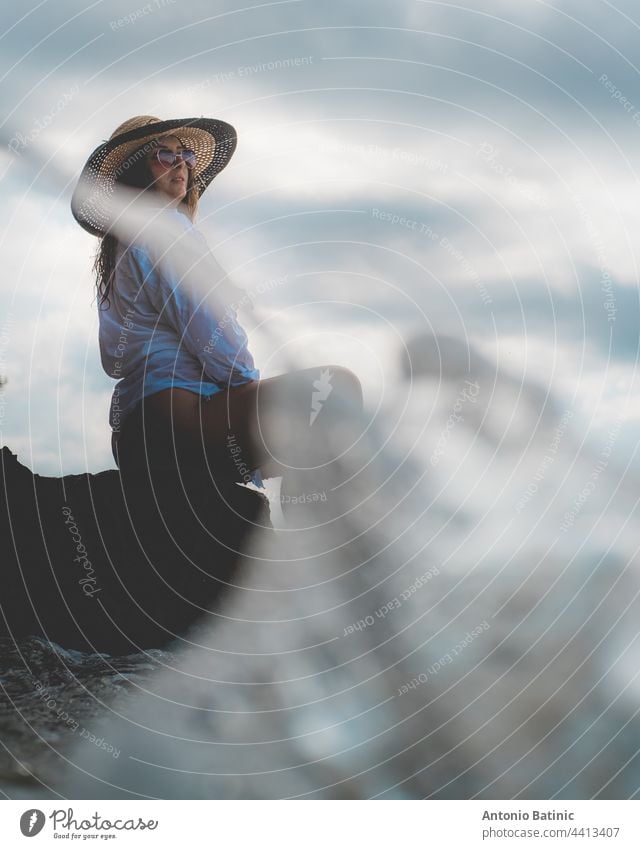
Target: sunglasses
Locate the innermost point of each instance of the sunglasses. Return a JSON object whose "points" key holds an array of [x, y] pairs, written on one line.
{"points": [[167, 157]]}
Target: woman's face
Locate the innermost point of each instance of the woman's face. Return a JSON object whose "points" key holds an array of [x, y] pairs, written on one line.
{"points": [[170, 180]]}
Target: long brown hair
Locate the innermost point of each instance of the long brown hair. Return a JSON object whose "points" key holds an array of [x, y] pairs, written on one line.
{"points": [[137, 176]]}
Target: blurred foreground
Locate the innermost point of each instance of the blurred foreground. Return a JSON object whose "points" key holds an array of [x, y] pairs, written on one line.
{"points": [[457, 619]]}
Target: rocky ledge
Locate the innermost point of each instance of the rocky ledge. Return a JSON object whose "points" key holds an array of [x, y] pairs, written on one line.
{"points": [[108, 563]]}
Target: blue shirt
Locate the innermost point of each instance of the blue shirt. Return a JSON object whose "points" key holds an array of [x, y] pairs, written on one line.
{"points": [[171, 320]]}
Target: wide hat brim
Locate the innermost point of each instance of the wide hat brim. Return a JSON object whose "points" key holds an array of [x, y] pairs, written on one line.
{"points": [[212, 140]]}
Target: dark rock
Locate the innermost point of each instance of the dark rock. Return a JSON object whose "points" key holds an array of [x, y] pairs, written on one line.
{"points": [[113, 563]]}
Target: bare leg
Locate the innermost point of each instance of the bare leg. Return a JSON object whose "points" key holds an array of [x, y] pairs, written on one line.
{"points": [[280, 425]]}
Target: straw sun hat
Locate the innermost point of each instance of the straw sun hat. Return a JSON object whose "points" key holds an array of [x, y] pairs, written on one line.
{"points": [[213, 142]]}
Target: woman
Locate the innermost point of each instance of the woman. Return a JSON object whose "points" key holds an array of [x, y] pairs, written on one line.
{"points": [[188, 394]]}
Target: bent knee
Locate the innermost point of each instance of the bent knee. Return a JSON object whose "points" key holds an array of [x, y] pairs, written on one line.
{"points": [[347, 383]]}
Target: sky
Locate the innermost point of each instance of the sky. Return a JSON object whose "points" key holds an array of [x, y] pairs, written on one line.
{"points": [[403, 168]]}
